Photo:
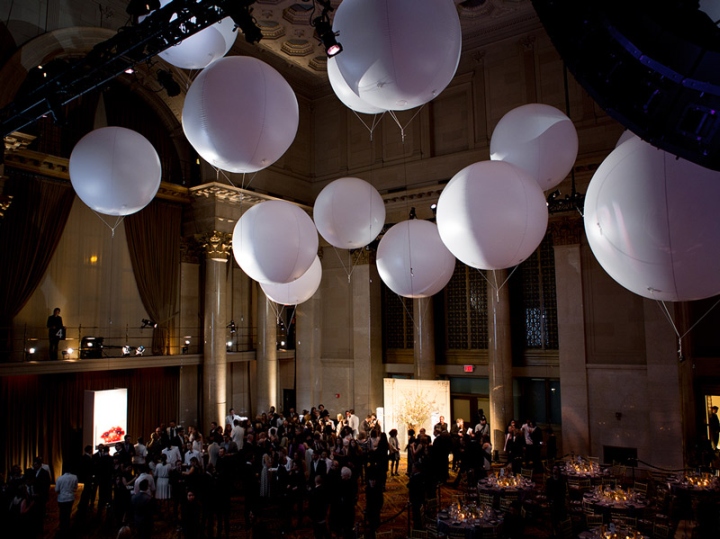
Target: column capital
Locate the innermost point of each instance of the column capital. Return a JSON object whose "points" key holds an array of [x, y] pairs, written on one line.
{"points": [[217, 245]]}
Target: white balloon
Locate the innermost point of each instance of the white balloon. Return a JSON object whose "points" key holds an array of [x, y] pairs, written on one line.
{"points": [[344, 93], [539, 139], [398, 54], [297, 291], [201, 48], [492, 215], [275, 241], [651, 222], [412, 260], [115, 171], [349, 213], [240, 114], [626, 135]]}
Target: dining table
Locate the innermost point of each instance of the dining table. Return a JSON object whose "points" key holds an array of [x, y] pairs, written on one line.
{"points": [[607, 500], [469, 520]]}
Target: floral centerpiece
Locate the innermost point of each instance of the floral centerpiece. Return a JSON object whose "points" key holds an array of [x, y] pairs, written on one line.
{"points": [[112, 435]]}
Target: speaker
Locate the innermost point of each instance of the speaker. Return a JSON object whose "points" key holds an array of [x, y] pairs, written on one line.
{"points": [[91, 347], [654, 66]]}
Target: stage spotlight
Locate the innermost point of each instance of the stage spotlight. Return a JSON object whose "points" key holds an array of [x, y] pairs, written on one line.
{"points": [[240, 12], [146, 323], [70, 350], [140, 350], [232, 327], [433, 208], [126, 351], [166, 80], [326, 35], [412, 215], [31, 351], [552, 196]]}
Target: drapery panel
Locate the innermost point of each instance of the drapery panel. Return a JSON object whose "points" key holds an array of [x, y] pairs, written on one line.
{"points": [[43, 414], [153, 237], [29, 234]]}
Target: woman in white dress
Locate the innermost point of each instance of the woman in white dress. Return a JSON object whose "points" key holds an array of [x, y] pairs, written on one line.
{"points": [[162, 479], [265, 477]]}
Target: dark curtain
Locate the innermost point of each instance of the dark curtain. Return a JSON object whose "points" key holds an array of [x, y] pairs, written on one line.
{"points": [[29, 234], [153, 237], [43, 414]]}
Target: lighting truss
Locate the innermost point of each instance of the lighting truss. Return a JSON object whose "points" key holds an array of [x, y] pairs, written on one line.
{"points": [[132, 45]]}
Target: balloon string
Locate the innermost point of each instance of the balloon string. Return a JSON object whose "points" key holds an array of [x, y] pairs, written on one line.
{"points": [[410, 315], [495, 286], [397, 121], [666, 312], [111, 227], [375, 122]]}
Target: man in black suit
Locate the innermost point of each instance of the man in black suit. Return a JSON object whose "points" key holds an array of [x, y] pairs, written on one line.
{"points": [[143, 505], [41, 480], [85, 476], [318, 466], [55, 327]]}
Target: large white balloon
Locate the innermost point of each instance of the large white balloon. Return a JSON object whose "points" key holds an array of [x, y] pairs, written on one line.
{"points": [[202, 48], [344, 93], [492, 215], [398, 54], [349, 213], [240, 114], [651, 222], [539, 139], [412, 260], [297, 291], [275, 241], [115, 171]]}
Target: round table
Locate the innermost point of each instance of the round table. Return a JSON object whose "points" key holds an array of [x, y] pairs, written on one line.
{"points": [[606, 506], [497, 490], [472, 530]]}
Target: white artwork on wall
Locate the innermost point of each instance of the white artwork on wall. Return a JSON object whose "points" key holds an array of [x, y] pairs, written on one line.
{"points": [[414, 404], [105, 417]]}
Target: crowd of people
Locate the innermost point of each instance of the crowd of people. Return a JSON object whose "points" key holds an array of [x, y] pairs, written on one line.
{"points": [[311, 465]]}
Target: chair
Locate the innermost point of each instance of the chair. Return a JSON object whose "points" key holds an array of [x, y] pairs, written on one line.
{"points": [[430, 525], [488, 533], [505, 505], [455, 534], [527, 472], [566, 529], [631, 522], [418, 534], [593, 521], [641, 488], [389, 534], [594, 460], [486, 499], [609, 481], [660, 531], [431, 506]]}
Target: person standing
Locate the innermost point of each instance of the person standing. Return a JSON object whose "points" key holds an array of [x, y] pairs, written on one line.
{"points": [[714, 425], [143, 505], [66, 486], [55, 332]]}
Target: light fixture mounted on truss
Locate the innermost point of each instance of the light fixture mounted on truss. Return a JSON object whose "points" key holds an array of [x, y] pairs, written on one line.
{"points": [[324, 30]]}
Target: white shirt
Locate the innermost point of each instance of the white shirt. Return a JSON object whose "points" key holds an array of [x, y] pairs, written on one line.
{"points": [[66, 486], [150, 480], [140, 454], [527, 429], [230, 419], [354, 424], [192, 453], [173, 456], [238, 435]]}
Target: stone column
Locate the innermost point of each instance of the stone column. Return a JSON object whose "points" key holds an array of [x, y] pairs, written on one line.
{"points": [[267, 362], [424, 330], [575, 412], [500, 369], [366, 335], [214, 396]]}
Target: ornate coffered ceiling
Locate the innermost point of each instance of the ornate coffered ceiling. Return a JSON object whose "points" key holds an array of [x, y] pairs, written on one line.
{"points": [[290, 46]]}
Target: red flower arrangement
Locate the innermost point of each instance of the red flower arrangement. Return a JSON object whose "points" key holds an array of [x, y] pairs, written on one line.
{"points": [[114, 434]]}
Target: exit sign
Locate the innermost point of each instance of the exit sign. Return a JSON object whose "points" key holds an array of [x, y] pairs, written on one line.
{"points": [[468, 368]]}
